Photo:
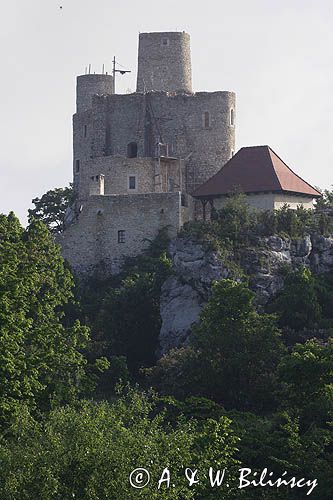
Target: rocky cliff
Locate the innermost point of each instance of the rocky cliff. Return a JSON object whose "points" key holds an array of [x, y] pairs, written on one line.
{"points": [[196, 265]]}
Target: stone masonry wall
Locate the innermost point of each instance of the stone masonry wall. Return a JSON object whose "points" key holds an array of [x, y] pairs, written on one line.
{"points": [[118, 169], [92, 241], [177, 120]]}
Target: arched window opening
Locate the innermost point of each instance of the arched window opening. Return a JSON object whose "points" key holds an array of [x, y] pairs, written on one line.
{"points": [[132, 150]]}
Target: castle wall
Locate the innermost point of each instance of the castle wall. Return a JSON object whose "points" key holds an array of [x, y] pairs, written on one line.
{"points": [[116, 172], [164, 62], [119, 141], [150, 175], [180, 120], [93, 239], [177, 120]]}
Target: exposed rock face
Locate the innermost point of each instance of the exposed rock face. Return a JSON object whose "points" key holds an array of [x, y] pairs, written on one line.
{"points": [[322, 257], [196, 266], [180, 306], [264, 263], [185, 293]]}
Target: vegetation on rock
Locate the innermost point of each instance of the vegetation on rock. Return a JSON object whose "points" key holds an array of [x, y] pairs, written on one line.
{"points": [[253, 388]]}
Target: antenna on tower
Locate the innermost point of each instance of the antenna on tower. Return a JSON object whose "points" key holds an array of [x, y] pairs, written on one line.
{"points": [[114, 71]]}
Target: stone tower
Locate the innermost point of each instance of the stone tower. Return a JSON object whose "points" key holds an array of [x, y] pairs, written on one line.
{"points": [[89, 85], [164, 62]]}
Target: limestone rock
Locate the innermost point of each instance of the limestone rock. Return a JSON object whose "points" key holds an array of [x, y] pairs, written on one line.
{"points": [[322, 255], [196, 266], [180, 307], [183, 295]]}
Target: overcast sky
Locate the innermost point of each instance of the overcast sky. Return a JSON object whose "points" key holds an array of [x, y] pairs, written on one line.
{"points": [[275, 54]]}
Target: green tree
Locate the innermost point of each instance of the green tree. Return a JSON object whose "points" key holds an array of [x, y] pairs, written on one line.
{"points": [[297, 305], [40, 358], [240, 347], [233, 357], [87, 451], [326, 201], [277, 443], [52, 206], [307, 375], [124, 313], [236, 221]]}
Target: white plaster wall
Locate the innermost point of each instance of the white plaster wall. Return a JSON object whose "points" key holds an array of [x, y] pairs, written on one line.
{"points": [[270, 201]]}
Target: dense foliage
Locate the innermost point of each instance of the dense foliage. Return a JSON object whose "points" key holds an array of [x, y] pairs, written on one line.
{"points": [[235, 225], [224, 360], [40, 357], [326, 201], [88, 451], [52, 206], [252, 389], [124, 312]]}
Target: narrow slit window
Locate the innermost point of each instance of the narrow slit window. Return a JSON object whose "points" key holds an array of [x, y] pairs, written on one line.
{"points": [[77, 166], [121, 236], [232, 117], [206, 119], [85, 131]]}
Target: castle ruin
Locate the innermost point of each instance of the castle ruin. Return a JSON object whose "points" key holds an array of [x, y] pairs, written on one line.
{"points": [[138, 157]]}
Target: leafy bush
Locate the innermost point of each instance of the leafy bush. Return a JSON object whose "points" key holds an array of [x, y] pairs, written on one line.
{"points": [[298, 305]]}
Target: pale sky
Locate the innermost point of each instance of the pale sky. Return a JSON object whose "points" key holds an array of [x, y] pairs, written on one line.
{"points": [[275, 54]]}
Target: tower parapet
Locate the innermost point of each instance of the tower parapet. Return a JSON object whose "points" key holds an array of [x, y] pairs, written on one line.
{"points": [[164, 62]]}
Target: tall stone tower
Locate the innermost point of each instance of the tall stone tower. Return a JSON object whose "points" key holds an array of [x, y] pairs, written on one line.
{"points": [[164, 62]]}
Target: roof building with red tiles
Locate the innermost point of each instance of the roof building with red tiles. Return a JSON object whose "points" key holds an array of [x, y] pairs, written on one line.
{"points": [[263, 176]]}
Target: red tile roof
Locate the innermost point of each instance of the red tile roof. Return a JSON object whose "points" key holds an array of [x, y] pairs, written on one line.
{"points": [[253, 170]]}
